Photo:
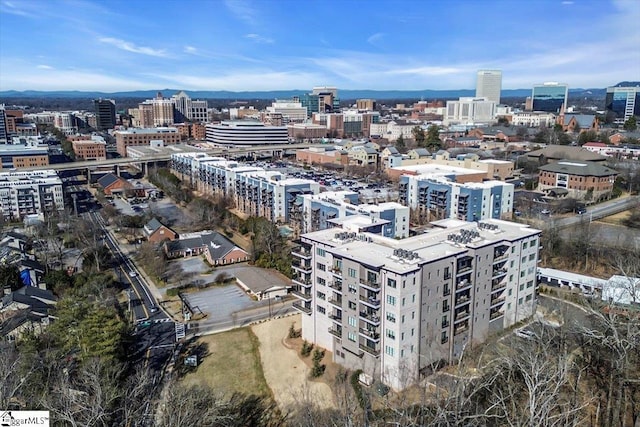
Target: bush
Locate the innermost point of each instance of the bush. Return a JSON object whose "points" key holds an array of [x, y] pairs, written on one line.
{"points": [[357, 388], [318, 355], [294, 333], [306, 349], [317, 370]]}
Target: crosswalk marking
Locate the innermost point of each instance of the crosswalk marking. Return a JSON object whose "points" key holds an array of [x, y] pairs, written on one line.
{"points": [[180, 331]]}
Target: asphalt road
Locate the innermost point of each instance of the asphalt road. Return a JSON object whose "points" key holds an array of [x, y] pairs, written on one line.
{"points": [[599, 211]]}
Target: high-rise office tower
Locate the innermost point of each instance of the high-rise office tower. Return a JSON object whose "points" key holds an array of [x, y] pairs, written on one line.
{"points": [[550, 97], [105, 113], [489, 85], [4, 137], [623, 100], [182, 102]]}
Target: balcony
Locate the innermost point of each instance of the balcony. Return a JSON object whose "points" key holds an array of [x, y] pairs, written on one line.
{"points": [[301, 252], [462, 315], [301, 282], [335, 301], [461, 328], [498, 284], [370, 334], [335, 332], [497, 301], [446, 308], [336, 286], [462, 300], [498, 272], [336, 317], [372, 351], [500, 256], [306, 296], [300, 266], [372, 285], [463, 284], [495, 315], [464, 269], [370, 318], [370, 301], [301, 307]]}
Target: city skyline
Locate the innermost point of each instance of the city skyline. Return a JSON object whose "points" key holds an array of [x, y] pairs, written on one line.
{"points": [[265, 45]]}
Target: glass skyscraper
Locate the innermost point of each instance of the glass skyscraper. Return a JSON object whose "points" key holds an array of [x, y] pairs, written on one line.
{"points": [[550, 97], [623, 100]]}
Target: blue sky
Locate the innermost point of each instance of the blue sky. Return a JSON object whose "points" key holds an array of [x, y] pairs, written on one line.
{"points": [[239, 45]]}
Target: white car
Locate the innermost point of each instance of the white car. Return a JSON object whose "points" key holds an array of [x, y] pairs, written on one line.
{"points": [[545, 211], [132, 274], [525, 333]]}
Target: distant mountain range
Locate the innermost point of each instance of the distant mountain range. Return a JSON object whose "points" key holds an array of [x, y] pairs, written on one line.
{"points": [[285, 94]]}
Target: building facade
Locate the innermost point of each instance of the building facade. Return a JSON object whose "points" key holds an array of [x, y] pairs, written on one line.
{"points": [[105, 110], [30, 193], [489, 85], [143, 136], [24, 152], [581, 179], [623, 102], [533, 119], [324, 210], [436, 198], [92, 149], [245, 133], [393, 307], [550, 97], [470, 110]]}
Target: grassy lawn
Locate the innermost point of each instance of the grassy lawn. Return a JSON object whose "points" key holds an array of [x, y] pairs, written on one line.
{"points": [[232, 363], [616, 219]]}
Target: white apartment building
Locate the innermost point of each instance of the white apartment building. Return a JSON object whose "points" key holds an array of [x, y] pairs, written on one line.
{"points": [[470, 110], [489, 85], [65, 123], [30, 193], [393, 307], [533, 119], [291, 111], [393, 129]]}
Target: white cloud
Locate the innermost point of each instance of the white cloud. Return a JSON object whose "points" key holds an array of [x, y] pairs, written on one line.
{"points": [[13, 9], [374, 38], [130, 47], [243, 10], [259, 39], [567, 3], [44, 67]]}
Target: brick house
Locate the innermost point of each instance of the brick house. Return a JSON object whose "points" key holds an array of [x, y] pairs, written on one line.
{"points": [[112, 184], [577, 178], [156, 232], [217, 249]]}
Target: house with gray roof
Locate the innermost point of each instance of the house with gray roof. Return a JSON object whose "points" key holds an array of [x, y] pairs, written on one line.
{"points": [[27, 309], [157, 232], [217, 249], [555, 153], [583, 122]]}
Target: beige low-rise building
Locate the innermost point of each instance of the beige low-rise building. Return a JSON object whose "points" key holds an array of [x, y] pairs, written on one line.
{"points": [[92, 149]]}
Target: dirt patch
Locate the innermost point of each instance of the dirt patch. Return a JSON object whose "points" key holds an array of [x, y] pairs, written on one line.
{"points": [[286, 373], [230, 362]]}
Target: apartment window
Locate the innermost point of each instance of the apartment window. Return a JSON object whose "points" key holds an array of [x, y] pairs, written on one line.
{"points": [[413, 298], [391, 300], [353, 289], [529, 283], [351, 272], [520, 301], [321, 267], [403, 301], [444, 338], [513, 249], [320, 252], [511, 277], [391, 317], [524, 245], [352, 305], [321, 309], [391, 334], [321, 295], [532, 257], [389, 350], [447, 274], [522, 286], [528, 298], [351, 336], [524, 259], [512, 262], [352, 321], [391, 283], [522, 273], [510, 292], [321, 281]]}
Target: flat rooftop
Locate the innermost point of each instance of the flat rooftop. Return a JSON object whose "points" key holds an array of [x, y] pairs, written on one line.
{"points": [[380, 251], [434, 169]]}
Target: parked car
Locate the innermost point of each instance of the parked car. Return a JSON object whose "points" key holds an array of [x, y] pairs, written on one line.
{"points": [[545, 211], [525, 333]]}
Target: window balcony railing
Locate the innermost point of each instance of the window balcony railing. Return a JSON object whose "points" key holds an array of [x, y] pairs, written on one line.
{"points": [[335, 332], [370, 301], [301, 307], [372, 351], [375, 285]]}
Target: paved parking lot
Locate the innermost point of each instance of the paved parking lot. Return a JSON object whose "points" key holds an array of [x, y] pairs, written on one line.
{"points": [[221, 302]]}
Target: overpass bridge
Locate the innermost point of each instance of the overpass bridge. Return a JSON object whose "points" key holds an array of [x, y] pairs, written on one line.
{"points": [[143, 162]]}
